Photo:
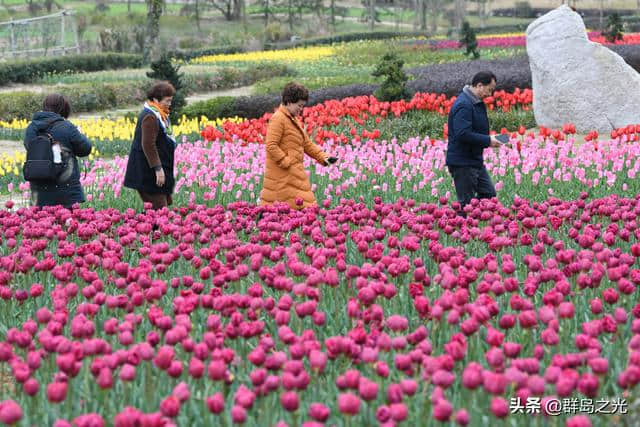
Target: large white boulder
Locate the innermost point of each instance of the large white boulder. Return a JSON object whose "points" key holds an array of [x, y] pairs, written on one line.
{"points": [[578, 81]]}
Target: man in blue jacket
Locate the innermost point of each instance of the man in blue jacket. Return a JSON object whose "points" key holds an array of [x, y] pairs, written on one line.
{"points": [[468, 137]]}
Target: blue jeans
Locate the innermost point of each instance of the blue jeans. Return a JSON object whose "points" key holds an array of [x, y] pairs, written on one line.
{"points": [[472, 182]]}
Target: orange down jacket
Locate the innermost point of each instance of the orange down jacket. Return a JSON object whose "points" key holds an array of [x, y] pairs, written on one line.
{"points": [[285, 178]]}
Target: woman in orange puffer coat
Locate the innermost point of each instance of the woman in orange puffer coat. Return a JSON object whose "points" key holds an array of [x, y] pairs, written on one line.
{"points": [[285, 179]]}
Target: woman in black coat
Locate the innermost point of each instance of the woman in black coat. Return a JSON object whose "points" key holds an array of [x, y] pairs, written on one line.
{"points": [[53, 120], [150, 165]]}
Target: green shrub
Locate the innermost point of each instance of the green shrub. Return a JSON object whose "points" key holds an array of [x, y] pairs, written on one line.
{"points": [[20, 105], [523, 9], [84, 97], [219, 107], [163, 69], [190, 43], [28, 71], [393, 87], [613, 30], [468, 40], [190, 54]]}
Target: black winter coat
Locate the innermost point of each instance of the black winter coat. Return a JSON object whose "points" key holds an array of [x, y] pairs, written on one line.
{"points": [[68, 191], [139, 175]]}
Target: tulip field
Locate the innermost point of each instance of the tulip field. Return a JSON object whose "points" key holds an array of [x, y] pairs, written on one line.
{"points": [[381, 306]]}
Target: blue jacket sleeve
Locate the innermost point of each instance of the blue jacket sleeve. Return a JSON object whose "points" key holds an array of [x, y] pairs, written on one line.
{"points": [[81, 145], [463, 129]]}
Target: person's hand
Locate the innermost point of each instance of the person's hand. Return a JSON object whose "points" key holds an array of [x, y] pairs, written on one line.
{"points": [[332, 160], [160, 178], [285, 163], [494, 142]]}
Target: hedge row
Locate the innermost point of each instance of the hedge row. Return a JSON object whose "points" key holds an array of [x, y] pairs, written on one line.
{"points": [[82, 97], [252, 107], [188, 55], [447, 78], [28, 71], [539, 11], [87, 97]]}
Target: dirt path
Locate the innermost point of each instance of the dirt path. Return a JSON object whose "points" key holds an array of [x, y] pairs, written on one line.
{"points": [[236, 91], [9, 147], [16, 87]]}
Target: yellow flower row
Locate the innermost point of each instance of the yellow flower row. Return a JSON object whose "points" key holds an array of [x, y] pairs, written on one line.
{"points": [[296, 54], [11, 163], [122, 129]]}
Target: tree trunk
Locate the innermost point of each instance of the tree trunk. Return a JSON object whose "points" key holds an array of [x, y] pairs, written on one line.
{"points": [[154, 12], [290, 12], [601, 15], [435, 14], [483, 13], [129, 6], [459, 16], [243, 14], [266, 13], [237, 9], [372, 14], [333, 14], [422, 4], [196, 13]]}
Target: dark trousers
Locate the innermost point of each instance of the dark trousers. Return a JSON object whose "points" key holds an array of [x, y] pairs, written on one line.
{"points": [[472, 182], [158, 201]]}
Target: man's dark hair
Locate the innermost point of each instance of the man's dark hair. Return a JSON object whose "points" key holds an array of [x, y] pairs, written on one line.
{"points": [[484, 77], [160, 90], [58, 104], [294, 92]]}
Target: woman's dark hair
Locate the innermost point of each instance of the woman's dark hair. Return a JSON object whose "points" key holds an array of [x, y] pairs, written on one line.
{"points": [[294, 92], [58, 104], [160, 90], [484, 77]]}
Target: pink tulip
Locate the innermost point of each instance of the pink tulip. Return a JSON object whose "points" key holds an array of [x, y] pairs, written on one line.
{"points": [[215, 403], [170, 407], [348, 403], [88, 420], [290, 401], [10, 412], [579, 421], [442, 410], [57, 392], [238, 414], [462, 417], [319, 412]]}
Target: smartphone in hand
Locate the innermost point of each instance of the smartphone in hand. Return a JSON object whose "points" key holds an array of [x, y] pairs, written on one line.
{"points": [[503, 137]]}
